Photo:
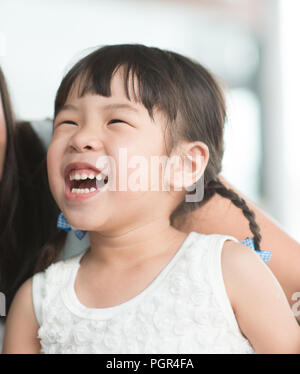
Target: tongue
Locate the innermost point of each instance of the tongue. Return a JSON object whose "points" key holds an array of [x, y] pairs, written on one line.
{"points": [[87, 183]]}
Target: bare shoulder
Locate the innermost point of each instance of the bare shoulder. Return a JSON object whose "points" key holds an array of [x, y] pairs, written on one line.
{"points": [[21, 325], [242, 266], [237, 256], [22, 302], [24, 294]]}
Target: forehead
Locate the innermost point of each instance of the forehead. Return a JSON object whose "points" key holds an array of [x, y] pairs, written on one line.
{"points": [[124, 84], [117, 101], [117, 87], [124, 95]]}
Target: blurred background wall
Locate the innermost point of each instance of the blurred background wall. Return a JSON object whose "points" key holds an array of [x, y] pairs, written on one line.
{"points": [[250, 45]]}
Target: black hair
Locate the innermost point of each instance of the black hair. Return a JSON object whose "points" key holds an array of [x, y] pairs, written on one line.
{"points": [[181, 88], [28, 211]]}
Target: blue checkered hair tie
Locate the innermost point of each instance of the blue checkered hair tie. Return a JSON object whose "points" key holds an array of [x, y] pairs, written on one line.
{"points": [[62, 223], [264, 255]]}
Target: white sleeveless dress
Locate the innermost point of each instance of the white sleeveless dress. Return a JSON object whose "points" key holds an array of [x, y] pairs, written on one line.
{"points": [[184, 310]]}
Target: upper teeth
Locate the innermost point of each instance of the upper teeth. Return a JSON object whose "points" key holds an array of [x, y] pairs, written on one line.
{"points": [[84, 176]]}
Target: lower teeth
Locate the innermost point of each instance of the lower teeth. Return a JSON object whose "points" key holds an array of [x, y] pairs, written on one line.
{"points": [[99, 184], [83, 190]]}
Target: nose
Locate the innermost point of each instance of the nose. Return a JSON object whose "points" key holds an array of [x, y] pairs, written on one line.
{"points": [[85, 140]]}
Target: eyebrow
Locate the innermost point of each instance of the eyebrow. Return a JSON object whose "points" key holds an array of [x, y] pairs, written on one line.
{"points": [[67, 107], [105, 107], [119, 106]]}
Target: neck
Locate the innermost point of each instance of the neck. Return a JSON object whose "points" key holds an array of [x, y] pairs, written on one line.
{"points": [[130, 246]]}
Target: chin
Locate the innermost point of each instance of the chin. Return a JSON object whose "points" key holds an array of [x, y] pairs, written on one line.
{"points": [[82, 222]]}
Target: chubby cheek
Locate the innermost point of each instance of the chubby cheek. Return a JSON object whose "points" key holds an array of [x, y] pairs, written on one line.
{"points": [[55, 178], [133, 164], [150, 166]]}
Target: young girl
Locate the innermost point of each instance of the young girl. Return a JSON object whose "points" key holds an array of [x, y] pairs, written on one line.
{"points": [[144, 286]]}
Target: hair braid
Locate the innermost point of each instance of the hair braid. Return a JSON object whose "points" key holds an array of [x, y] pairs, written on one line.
{"points": [[217, 186]]}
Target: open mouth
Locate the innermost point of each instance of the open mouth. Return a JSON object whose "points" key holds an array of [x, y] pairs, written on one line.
{"points": [[85, 181]]}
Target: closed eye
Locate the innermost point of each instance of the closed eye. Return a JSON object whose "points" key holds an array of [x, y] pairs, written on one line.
{"points": [[115, 121], [63, 123], [69, 122]]}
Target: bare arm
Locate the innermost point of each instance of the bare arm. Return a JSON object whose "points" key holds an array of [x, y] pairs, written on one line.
{"points": [[220, 216], [21, 325]]}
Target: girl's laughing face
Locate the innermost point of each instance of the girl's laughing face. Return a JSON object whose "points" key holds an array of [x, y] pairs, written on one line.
{"points": [[89, 129]]}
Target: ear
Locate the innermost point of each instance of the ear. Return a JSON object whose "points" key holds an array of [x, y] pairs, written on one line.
{"points": [[186, 165]]}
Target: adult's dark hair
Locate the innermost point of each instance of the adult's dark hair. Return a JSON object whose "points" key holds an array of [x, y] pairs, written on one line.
{"points": [[28, 212]]}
